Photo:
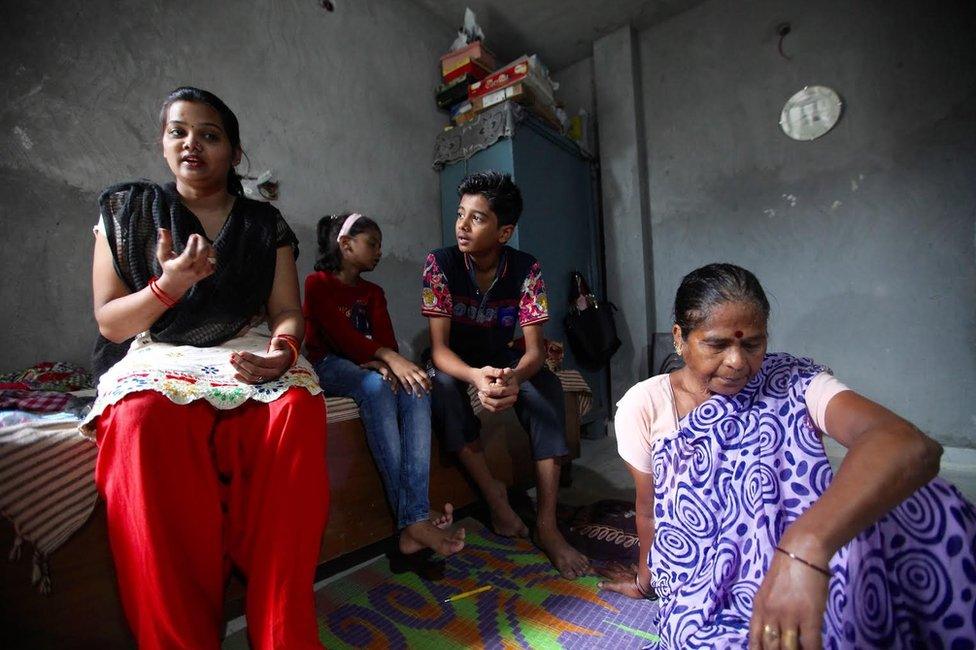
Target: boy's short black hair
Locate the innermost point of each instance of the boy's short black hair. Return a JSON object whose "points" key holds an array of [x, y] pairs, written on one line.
{"points": [[503, 195]]}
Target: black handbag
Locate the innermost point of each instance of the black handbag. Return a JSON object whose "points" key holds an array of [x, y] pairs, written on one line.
{"points": [[590, 328]]}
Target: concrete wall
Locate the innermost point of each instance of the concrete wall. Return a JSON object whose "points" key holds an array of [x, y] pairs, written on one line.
{"points": [[864, 238], [340, 104], [623, 185], [576, 87]]}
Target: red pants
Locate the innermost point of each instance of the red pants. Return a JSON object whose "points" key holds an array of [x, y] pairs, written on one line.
{"points": [[192, 490]]}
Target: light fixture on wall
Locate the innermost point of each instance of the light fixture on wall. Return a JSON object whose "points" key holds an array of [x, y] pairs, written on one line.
{"points": [[810, 113], [783, 29], [261, 188]]}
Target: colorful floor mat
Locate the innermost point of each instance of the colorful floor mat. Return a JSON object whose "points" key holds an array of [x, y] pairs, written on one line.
{"points": [[528, 606]]}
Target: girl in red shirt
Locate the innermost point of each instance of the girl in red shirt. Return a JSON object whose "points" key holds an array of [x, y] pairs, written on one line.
{"points": [[350, 342]]}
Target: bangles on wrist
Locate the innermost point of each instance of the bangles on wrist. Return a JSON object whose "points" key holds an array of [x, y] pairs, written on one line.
{"points": [[799, 559], [292, 343], [646, 592], [161, 294]]}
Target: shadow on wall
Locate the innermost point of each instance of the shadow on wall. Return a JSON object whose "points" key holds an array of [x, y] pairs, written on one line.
{"points": [[591, 485], [400, 279], [890, 359], [626, 350], [47, 242], [307, 246], [627, 277]]}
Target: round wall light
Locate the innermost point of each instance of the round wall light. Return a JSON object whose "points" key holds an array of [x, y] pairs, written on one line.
{"points": [[810, 113]]}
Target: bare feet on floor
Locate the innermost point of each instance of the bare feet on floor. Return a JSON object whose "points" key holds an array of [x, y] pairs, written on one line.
{"points": [[424, 534], [570, 563], [444, 519], [504, 521]]}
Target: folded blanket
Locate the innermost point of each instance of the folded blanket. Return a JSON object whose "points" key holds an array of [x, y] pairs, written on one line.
{"points": [[43, 401], [48, 375]]}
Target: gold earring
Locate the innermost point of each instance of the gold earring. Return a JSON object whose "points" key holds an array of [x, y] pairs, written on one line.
{"points": [[677, 349]]}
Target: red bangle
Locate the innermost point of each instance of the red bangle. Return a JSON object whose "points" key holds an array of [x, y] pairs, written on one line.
{"points": [[294, 351], [160, 294], [291, 341]]}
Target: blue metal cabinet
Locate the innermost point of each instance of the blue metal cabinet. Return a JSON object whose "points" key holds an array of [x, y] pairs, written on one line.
{"points": [[559, 223]]}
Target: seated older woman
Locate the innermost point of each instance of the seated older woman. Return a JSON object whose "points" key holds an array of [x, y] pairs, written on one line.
{"points": [[748, 536]]}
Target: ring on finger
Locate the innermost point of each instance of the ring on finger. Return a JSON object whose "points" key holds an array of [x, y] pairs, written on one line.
{"points": [[212, 260], [770, 632], [790, 639]]}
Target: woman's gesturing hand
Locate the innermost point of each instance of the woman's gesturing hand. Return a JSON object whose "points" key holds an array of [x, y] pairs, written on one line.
{"points": [[788, 610], [180, 272]]}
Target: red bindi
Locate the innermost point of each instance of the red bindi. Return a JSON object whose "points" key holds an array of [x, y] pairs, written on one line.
{"points": [[738, 334]]}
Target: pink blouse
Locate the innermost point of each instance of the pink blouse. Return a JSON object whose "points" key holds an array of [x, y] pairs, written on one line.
{"points": [[647, 411]]}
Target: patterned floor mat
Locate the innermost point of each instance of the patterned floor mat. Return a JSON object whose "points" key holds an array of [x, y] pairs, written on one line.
{"points": [[528, 606]]}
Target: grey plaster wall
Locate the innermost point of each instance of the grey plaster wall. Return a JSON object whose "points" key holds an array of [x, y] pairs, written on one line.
{"points": [[339, 104], [864, 238], [576, 87], [623, 182]]}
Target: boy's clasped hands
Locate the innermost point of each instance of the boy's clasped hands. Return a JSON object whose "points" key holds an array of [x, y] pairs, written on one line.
{"points": [[498, 388]]}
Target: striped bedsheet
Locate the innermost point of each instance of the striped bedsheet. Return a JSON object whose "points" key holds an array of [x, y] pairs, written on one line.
{"points": [[47, 487]]}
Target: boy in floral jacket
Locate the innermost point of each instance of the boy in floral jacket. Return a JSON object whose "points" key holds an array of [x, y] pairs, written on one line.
{"points": [[474, 295]]}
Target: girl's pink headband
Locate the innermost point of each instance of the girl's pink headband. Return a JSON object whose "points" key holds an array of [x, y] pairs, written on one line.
{"points": [[347, 225]]}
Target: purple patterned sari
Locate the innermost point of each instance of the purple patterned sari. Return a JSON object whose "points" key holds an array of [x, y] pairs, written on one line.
{"points": [[738, 472]]}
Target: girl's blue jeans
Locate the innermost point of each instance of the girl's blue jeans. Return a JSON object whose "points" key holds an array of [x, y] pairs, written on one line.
{"points": [[397, 431]]}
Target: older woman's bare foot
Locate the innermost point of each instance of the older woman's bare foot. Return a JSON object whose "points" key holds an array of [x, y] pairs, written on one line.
{"points": [[570, 563], [444, 519], [424, 534], [504, 520]]}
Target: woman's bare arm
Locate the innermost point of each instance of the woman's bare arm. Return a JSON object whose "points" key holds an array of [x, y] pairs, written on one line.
{"points": [[888, 459], [626, 583], [284, 320], [121, 314]]}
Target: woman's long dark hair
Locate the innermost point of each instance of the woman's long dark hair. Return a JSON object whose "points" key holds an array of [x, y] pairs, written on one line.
{"points": [[327, 230], [711, 285], [231, 126]]}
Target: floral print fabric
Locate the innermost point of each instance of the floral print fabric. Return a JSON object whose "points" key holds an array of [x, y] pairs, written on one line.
{"points": [[185, 373], [436, 292], [533, 303]]}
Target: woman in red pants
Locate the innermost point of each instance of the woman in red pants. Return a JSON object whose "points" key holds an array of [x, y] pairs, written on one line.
{"points": [[211, 430]]}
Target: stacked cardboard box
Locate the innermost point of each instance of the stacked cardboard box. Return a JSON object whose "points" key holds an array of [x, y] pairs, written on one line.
{"points": [[459, 69], [472, 82], [525, 81], [474, 59]]}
